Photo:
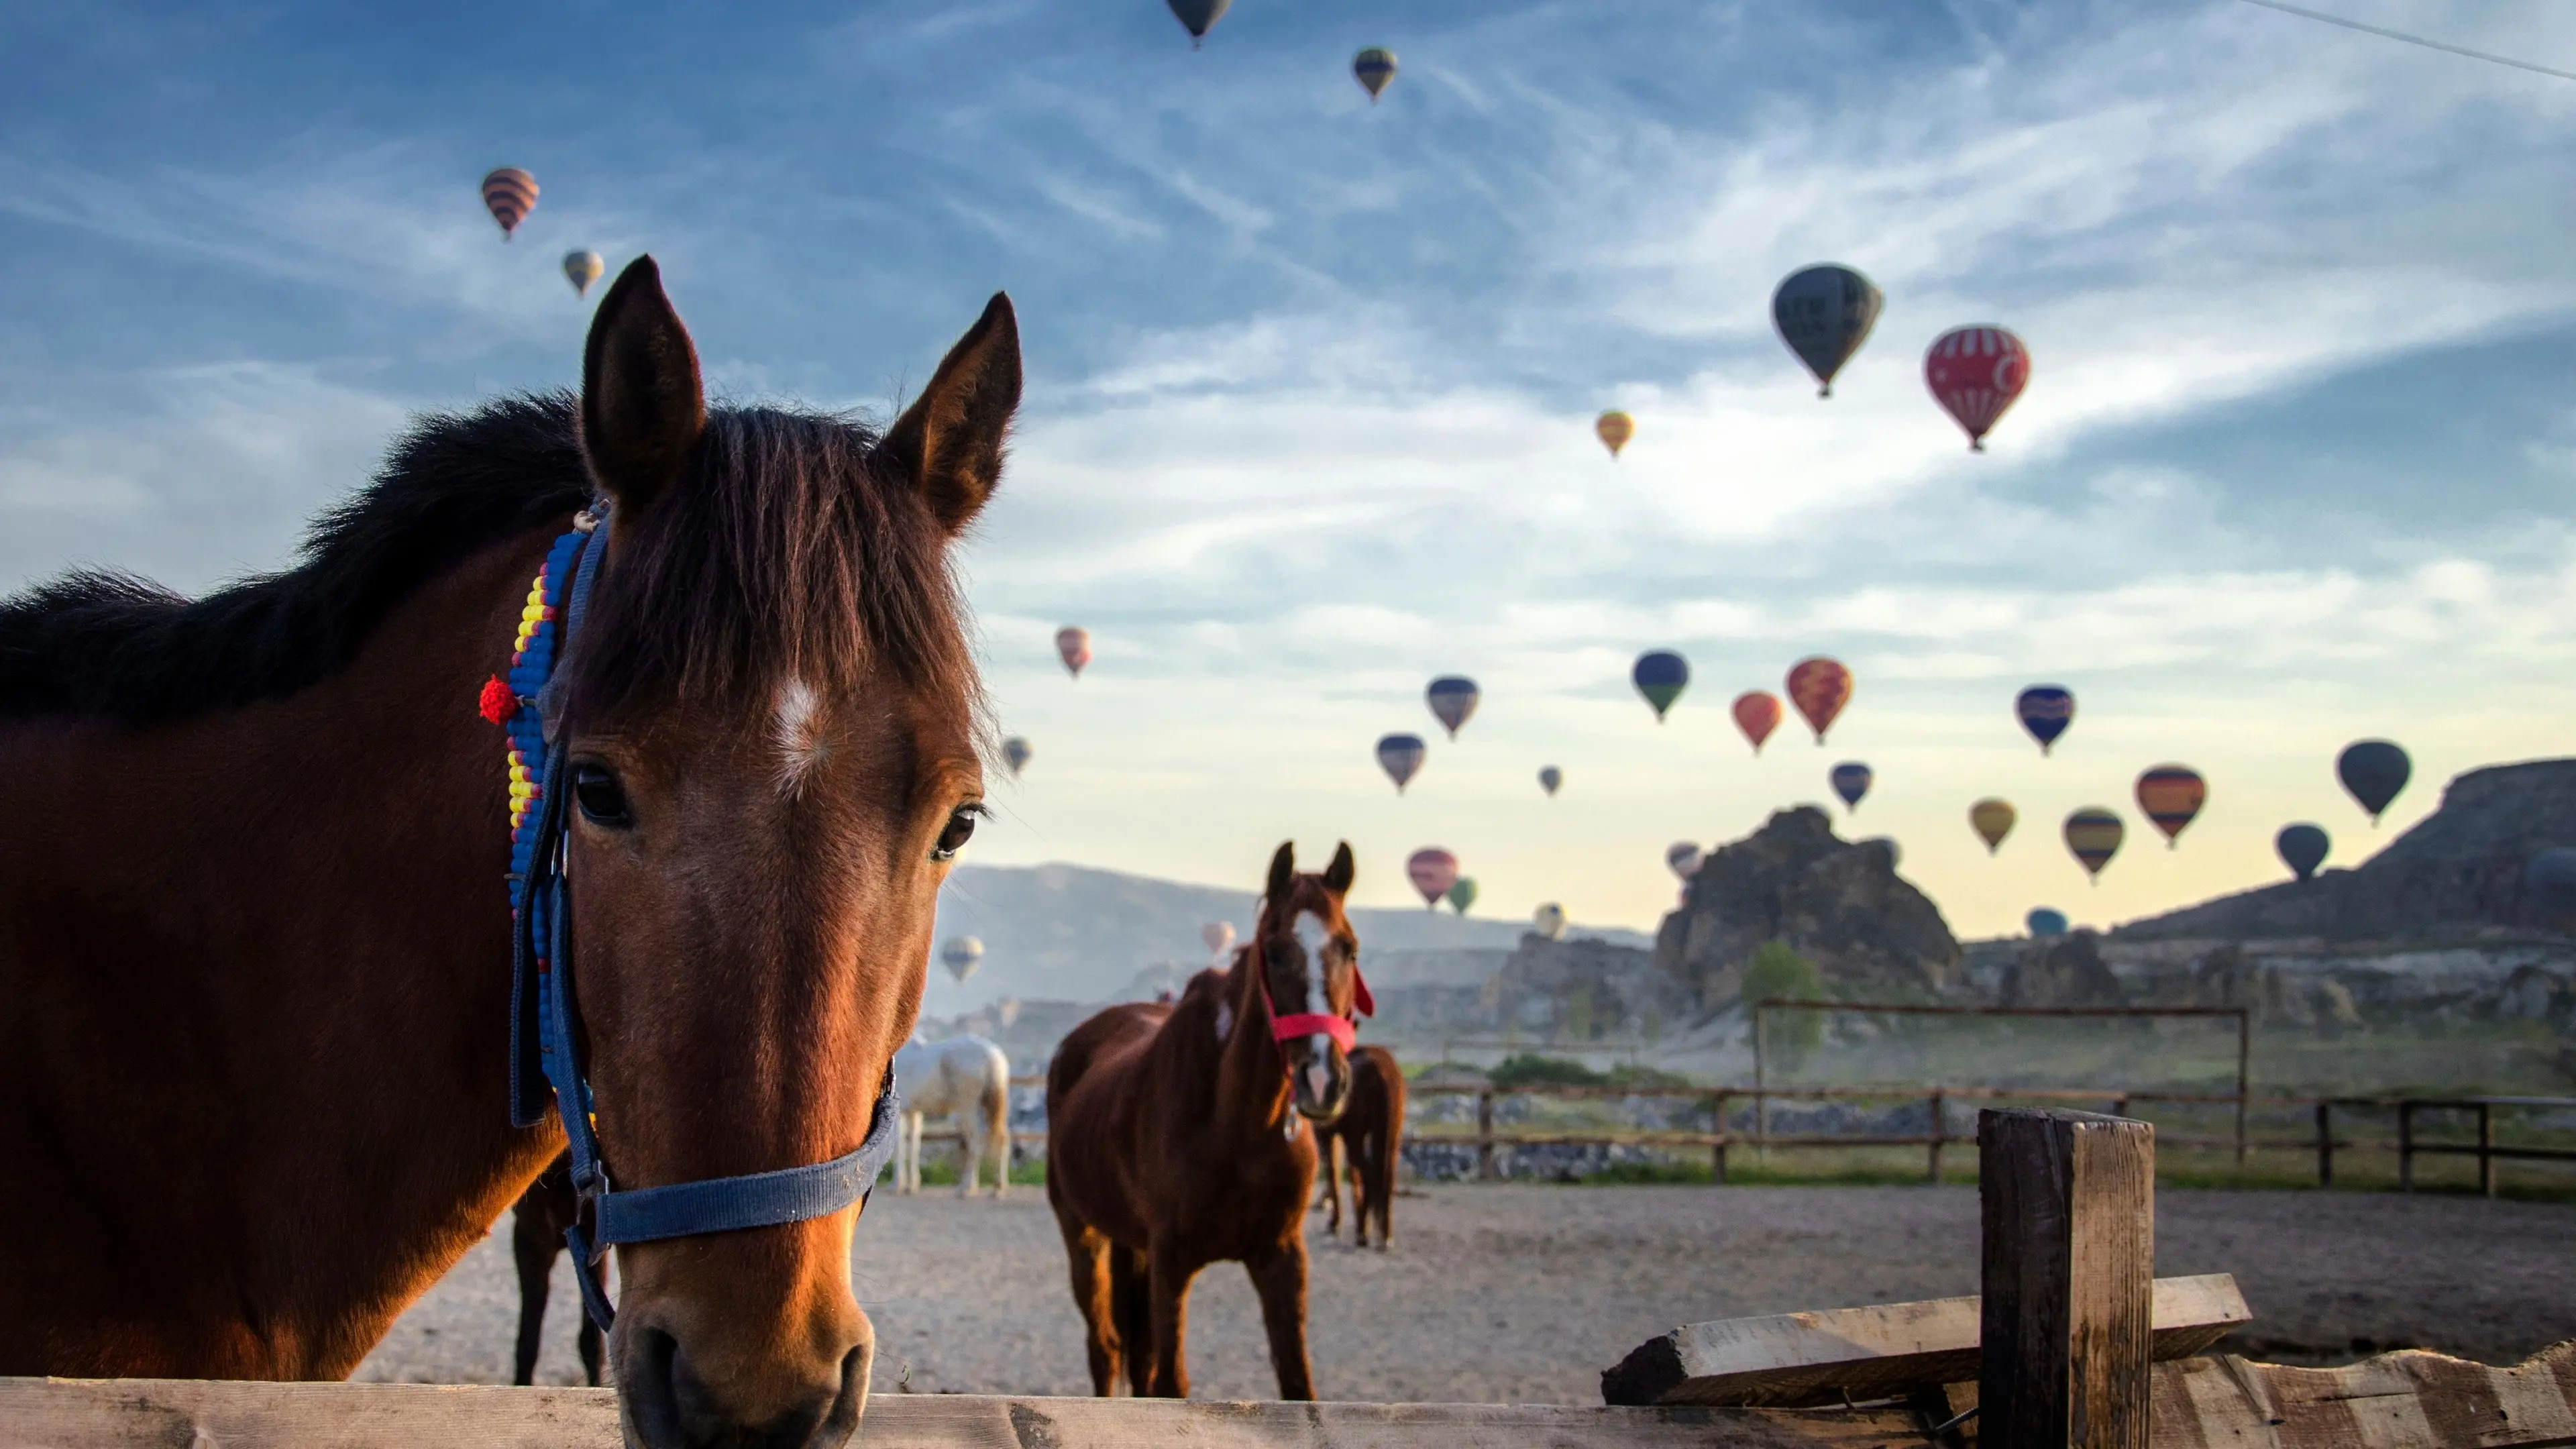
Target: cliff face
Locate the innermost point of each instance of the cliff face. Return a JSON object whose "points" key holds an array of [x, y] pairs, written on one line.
{"points": [[2459, 871], [1581, 989], [1839, 904]]}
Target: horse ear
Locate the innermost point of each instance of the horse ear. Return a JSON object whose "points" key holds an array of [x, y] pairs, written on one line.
{"points": [[642, 406], [949, 442], [1283, 872], [1338, 875]]}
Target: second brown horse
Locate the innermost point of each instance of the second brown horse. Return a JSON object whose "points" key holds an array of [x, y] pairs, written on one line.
{"points": [[1176, 1136]]}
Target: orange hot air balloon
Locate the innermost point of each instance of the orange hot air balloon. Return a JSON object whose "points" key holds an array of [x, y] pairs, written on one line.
{"points": [[1615, 429], [1757, 713], [1820, 688], [509, 194], [2171, 795], [1992, 819]]}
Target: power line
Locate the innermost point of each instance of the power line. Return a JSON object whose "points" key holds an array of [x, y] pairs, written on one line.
{"points": [[2411, 39]]}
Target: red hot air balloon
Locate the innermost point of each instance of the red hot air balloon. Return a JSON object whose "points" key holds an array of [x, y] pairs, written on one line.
{"points": [[509, 194], [1819, 688], [1975, 373], [1073, 646], [2171, 795], [1757, 713], [1433, 871]]}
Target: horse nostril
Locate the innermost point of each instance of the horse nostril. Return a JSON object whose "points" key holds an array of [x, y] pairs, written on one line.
{"points": [[670, 1407], [644, 1379]]}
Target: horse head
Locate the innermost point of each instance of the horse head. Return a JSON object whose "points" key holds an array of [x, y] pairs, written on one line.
{"points": [[773, 756], [1309, 962]]}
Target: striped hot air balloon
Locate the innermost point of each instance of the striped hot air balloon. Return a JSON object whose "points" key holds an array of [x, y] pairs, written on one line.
{"points": [[1452, 698], [1684, 858], [962, 955], [1975, 373], [1661, 676], [2093, 834], [1824, 313], [2045, 710], [1851, 781], [1433, 871], [1819, 687], [509, 194], [1614, 428], [1992, 819], [1757, 713], [1374, 68], [581, 269], [1401, 757], [2171, 795]]}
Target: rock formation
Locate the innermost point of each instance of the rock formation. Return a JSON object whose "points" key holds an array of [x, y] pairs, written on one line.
{"points": [[1839, 904], [1582, 989]]}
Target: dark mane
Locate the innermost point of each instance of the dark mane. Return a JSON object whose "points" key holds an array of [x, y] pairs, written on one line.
{"points": [[783, 552]]}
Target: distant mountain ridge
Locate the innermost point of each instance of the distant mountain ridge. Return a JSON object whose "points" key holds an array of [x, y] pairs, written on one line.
{"points": [[1078, 933]]}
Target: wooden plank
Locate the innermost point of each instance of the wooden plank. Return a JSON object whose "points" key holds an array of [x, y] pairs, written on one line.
{"points": [[2067, 1272], [2409, 1400], [1858, 1354], [132, 1413]]}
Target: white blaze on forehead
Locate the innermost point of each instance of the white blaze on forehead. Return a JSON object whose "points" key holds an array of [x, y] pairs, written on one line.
{"points": [[796, 729], [1312, 934]]}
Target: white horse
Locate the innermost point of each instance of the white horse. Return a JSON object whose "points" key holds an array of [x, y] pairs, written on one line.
{"points": [[966, 1077]]}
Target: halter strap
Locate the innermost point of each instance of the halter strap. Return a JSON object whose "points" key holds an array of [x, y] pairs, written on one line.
{"points": [[545, 1015], [1344, 1032]]}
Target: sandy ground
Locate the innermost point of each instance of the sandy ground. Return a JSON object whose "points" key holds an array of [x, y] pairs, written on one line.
{"points": [[1524, 1293]]}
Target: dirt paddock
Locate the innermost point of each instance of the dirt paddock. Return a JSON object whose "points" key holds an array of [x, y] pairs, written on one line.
{"points": [[1524, 1293]]}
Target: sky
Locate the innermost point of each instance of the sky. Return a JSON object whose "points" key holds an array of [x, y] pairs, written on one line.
{"points": [[1311, 381]]}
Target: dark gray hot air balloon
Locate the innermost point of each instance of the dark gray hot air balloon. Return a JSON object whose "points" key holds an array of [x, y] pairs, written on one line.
{"points": [[1198, 16], [2302, 848], [2373, 771], [1824, 313]]}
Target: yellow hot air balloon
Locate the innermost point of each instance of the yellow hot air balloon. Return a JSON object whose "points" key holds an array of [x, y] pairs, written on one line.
{"points": [[1992, 820], [1374, 68], [1615, 429], [581, 269]]}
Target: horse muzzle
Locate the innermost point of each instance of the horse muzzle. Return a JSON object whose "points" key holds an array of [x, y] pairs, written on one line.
{"points": [[1320, 1086]]}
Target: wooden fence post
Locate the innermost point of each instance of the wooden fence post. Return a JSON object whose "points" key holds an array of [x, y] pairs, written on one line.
{"points": [[2405, 1147], [1717, 1125], [2486, 1149], [2325, 1144], [1484, 1136], [2244, 1079], [1932, 1170], [2068, 1265]]}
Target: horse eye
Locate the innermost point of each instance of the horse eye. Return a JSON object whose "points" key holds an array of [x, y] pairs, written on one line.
{"points": [[602, 799], [961, 828]]}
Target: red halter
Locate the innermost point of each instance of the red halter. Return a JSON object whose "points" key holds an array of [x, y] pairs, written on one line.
{"points": [[1308, 1023]]}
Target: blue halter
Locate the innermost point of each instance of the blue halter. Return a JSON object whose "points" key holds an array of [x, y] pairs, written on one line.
{"points": [[545, 1016]]}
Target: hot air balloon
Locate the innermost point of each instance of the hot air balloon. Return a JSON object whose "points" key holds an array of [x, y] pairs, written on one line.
{"points": [[2302, 848], [1684, 858], [1198, 16], [2549, 889], [1975, 373], [1819, 688], [962, 954], [1824, 314], [2093, 835], [509, 194], [1661, 676], [2171, 795], [581, 269], [1549, 778], [1851, 781], [1016, 752], [1757, 713], [2046, 710], [1073, 646], [1992, 819], [1453, 699], [1614, 428], [1374, 68], [1433, 871], [1550, 920], [2373, 771], [2046, 922], [1462, 894], [1400, 756], [1219, 935]]}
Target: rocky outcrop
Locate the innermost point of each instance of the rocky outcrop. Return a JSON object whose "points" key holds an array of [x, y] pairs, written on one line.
{"points": [[2060, 971], [1581, 990], [2457, 874], [1840, 904]]}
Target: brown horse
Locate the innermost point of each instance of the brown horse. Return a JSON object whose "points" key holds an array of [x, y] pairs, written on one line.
{"points": [[255, 1058], [1370, 1134], [1175, 1136], [536, 1239]]}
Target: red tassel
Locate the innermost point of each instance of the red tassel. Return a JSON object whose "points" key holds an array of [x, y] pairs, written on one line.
{"points": [[498, 703]]}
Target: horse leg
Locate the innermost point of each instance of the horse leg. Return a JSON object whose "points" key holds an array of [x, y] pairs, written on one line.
{"points": [[1279, 1276], [970, 1153], [997, 1132], [588, 1343], [1168, 1282], [533, 1244], [1332, 1175], [1095, 1297], [1387, 1152]]}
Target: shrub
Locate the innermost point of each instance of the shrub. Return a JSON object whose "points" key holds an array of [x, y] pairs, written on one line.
{"points": [[1777, 971]]}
